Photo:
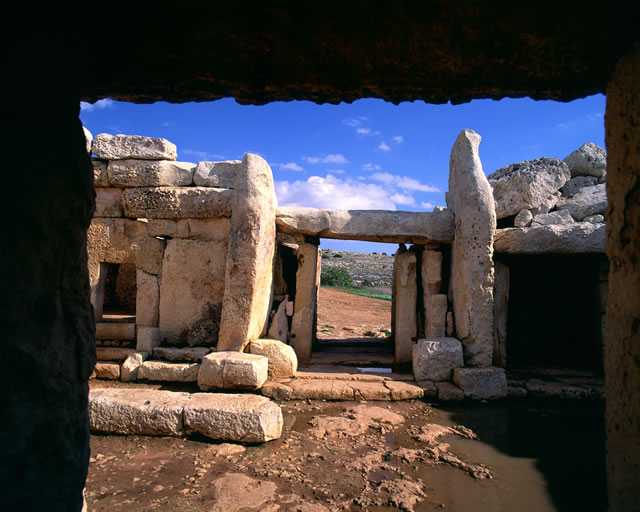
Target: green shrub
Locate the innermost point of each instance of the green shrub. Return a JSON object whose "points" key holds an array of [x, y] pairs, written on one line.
{"points": [[335, 276], [337, 255]]}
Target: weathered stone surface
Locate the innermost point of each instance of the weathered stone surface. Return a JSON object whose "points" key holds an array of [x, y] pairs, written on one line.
{"points": [[149, 253], [435, 359], [428, 388], [111, 331], [588, 160], [249, 273], [451, 325], [404, 390], [481, 383], [121, 147], [88, 137], [435, 312], [233, 370], [500, 313], [150, 173], [113, 353], [129, 369], [204, 229], [279, 328], [282, 358], [526, 184], [145, 412], [523, 219], [448, 391], [557, 217], [191, 295], [159, 371], [303, 323], [190, 355], [572, 186], [403, 308], [549, 389], [554, 239], [108, 202], [587, 201], [162, 227], [245, 418], [109, 371], [546, 205], [431, 272], [594, 219], [216, 174], [113, 241], [147, 299], [177, 203], [471, 287], [100, 177], [368, 225]]}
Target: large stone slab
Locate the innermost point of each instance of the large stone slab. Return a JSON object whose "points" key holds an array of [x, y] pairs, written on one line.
{"points": [[115, 331], [431, 272], [500, 313], [233, 370], [526, 184], [576, 238], [159, 371], [588, 160], [113, 241], [368, 225], [231, 417], [108, 202], [190, 355], [481, 383], [403, 308], [100, 177], [557, 217], [216, 174], [120, 147], [249, 270], [572, 186], [587, 201], [194, 229], [435, 316], [149, 253], [113, 353], [434, 359], [191, 291], [177, 203], [471, 287], [147, 299], [150, 173], [282, 358]]}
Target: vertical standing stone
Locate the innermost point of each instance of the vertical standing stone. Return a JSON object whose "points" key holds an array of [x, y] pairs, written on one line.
{"points": [[622, 356], [405, 295], [249, 267], [147, 299], [471, 200], [435, 304], [500, 313], [435, 316], [431, 272], [304, 307]]}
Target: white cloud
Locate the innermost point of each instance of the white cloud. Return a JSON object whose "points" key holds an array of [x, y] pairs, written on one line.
{"points": [[335, 171], [383, 147], [100, 104], [427, 205], [332, 158], [371, 167], [403, 182], [352, 122], [291, 166], [312, 159], [363, 131], [398, 139], [403, 199]]}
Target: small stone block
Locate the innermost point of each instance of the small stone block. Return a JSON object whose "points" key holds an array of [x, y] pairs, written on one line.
{"points": [[448, 391], [148, 339], [168, 372], [112, 331], [481, 383], [107, 371], [129, 369]]}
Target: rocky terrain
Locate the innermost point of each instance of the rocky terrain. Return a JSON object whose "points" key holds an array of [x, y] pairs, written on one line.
{"points": [[366, 270]]}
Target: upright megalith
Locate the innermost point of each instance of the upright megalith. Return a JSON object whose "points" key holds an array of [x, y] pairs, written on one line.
{"points": [[249, 265], [471, 287], [405, 295]]}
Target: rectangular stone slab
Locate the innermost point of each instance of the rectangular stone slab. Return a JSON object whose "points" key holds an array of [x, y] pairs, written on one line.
{"points": [[581, 237], [177, 203]]}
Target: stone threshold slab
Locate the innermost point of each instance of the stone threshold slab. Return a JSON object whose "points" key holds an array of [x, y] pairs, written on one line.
{"points": [[333, 389], [357, 359], [339, 372]]}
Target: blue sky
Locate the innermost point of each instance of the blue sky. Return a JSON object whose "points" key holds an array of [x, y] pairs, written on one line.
{"points": [[366, 155]]}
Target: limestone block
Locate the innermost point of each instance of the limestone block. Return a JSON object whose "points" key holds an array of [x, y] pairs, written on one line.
{"points": [[121, 147], [113, 353], [149, 254], [282, 358], [431, 272], [526, 184], [148, 339], [594, 219], [279, 328], [428, 388], [216, 174], [190, 355], [244, 418], [113, 331], [162, 227], [574, 185], [204, 229], [587, 201], [108, 202], [589, 160], [451, 327], [434, 359], [523, 219], [471, 285], [100, 177], [150, 173], [233, 370], [121, 237], [289, 308], [404, 390], [500, 313], [449, 392], [576, 238], [546, 205], [88, 137], [306, 301], [481, 383], [191, 291], [147, 299], [145, 412], [435, 312], [177, 203], [109, 371], [159, 371], [249, 272], [371, 225], [403, 315], [557, 217], [129, 369]]}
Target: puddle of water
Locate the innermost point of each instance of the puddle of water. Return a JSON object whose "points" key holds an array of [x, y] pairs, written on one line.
{"points": [[376, 370], [382, 475]]}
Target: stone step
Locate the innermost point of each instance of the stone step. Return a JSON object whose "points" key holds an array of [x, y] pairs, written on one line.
{"points": [[358, 358], [115, 331], [340, 372], [187, 355], [227, 417], [161, 371], [113, 353]]}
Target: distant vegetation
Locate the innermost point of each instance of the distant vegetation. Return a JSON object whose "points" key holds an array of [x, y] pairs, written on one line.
{"points": [[336, 276]]}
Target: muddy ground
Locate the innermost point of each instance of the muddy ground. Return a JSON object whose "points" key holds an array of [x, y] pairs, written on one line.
{"points": [[376, 456]]}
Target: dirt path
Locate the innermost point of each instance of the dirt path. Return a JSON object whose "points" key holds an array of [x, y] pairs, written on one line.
{"points": [[344, 315]]}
